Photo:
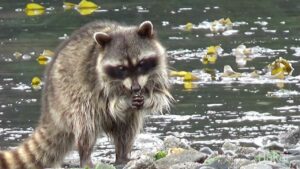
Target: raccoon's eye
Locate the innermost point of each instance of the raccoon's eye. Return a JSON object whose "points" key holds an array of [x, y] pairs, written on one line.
{"points": [[117, 72], [146, 65]]}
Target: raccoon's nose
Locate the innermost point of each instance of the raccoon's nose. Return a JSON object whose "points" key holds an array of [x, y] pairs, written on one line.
{"points": [[135, 86]]}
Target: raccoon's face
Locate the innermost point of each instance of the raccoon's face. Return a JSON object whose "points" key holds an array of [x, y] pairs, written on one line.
{"points": [[131, 58]]}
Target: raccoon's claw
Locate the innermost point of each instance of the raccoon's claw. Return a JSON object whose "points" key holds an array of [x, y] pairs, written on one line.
{"points": [[137, 101]]}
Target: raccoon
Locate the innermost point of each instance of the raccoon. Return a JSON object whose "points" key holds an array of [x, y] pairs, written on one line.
{"points": [[104, 79]]}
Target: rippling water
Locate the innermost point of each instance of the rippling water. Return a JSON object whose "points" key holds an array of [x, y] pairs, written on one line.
{"points": [[239, 109]]}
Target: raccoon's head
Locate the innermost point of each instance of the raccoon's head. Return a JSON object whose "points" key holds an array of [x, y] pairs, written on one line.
{"points": [[131, 60]]}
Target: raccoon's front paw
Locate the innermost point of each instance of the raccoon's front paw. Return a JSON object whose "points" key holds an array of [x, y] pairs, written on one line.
{"points": [[137, 101]]}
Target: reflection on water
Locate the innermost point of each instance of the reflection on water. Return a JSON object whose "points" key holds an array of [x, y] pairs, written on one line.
{"points": [[211, 107]]}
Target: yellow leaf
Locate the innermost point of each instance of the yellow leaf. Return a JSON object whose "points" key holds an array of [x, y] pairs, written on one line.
{"points": [[34, 9], [43, 60], [180, 73], [34, 6], [68, 5], [212, 49], [228, 72], [228, 21], [45, 57], [36, 83], [209, 59], [212, 59], [48, 53], [188, 85], [281, 67], [87, 4], [190, 77], [34, 12], [17, 55], [86, 11], [254, 74], [188, 26]]}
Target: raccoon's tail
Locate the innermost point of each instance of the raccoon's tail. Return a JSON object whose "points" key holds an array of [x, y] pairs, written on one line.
{"points": [[46, 147]]}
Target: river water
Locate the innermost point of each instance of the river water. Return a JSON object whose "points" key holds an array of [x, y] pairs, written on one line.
{"points": [[239, 109]]}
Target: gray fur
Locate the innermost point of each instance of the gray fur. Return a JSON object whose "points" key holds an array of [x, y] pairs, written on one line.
{"points": [[81, 100]]}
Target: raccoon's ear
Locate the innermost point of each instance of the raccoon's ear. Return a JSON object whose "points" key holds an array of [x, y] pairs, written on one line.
{"points": [[146, 29], [102, 38]]}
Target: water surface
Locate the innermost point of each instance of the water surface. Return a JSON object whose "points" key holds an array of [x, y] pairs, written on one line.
{"points": [[207, 115]]}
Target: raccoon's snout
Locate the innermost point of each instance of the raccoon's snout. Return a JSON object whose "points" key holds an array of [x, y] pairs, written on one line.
{"points": [[136, 87]]}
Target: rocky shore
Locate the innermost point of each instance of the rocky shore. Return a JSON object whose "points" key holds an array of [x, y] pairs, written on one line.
{"points": [[282, 152]]}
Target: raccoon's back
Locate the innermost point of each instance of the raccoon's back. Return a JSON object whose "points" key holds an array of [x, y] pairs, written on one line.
{"points": [[71, 76]]}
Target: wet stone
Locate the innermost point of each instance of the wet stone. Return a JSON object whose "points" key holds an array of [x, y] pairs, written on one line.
{"points": [[206, 167], [171, 142], [256, 166], [246, 150], [206, 150], [219, 162], [185, 156], [295, 151], [239, 162], [229, 146], [295, 164], [291, 137], [187, 165], [274, 146], [145, 162]]}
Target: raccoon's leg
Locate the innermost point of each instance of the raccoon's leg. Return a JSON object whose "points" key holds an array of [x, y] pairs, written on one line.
{"points": [[85, 148], [124, 134], [123, 143]]}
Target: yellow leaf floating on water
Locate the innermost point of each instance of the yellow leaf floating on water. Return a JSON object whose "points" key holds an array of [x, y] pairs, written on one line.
{"points": [[188, 85], [228, 72], [188, 26], [225, 22], [34, 6], [86, 4], [221, 25], [34, 9], [187, 76], [255, 74], [36, 83], [179, 74], [190, 77], [211, 55], [86, 7], [68, 5], [45, 57], [86, 11], [280, 68]]}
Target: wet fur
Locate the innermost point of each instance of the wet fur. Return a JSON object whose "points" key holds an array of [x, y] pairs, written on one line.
{"points": [[80, 102]]}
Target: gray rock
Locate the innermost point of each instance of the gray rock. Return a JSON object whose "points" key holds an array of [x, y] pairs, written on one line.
{"points": [[246, 150], [239, 162], [187, 165], [295, 151], [295, 164], [147, 144], [290, 158], [291, 137], [171, 142], [106, 166], [145, 162], [274, 146], [274, 165], [206, 150], [256, 166], [206, 167], [219, 162], [227, 146], [190, 155]]}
